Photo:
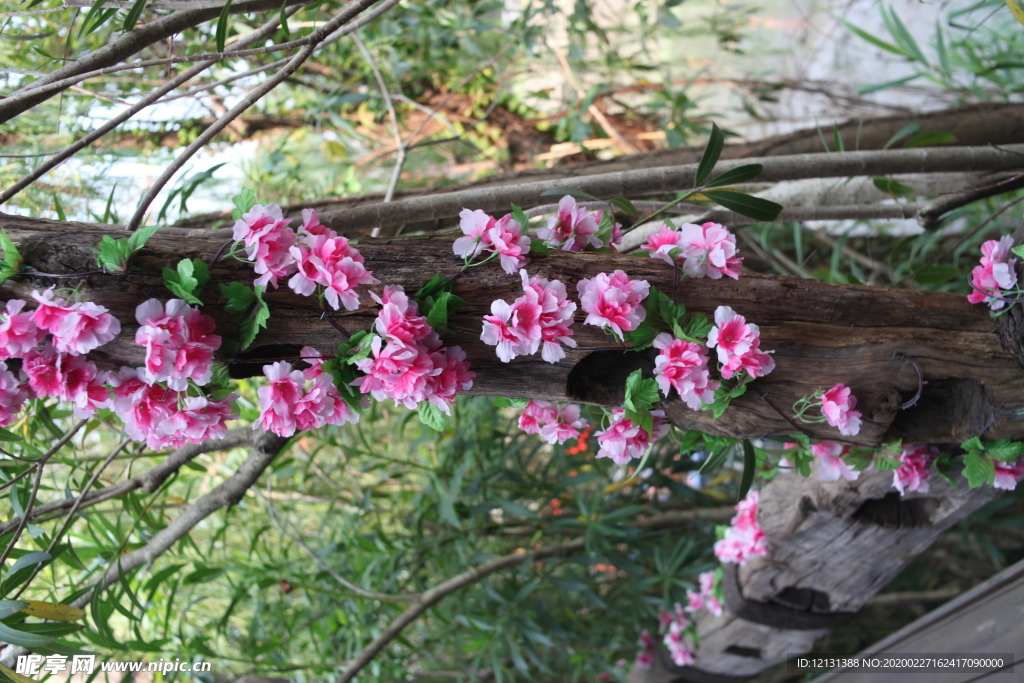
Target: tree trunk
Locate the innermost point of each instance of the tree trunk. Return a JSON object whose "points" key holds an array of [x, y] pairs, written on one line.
{"points": [[865, 337]]}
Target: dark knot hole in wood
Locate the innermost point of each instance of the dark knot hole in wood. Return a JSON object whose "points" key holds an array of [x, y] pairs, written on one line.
{"points": [[600, 377], [892, 511], [263, 355]]}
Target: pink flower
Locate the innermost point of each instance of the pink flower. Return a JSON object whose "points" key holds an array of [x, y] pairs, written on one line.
{"points": [[179, 343], [18, 333], [280, 399], [830, 461], [913, 474], [147, 411], [564, 425], [648, 646], [508, 241], [837, 405], [556, 314], [341, 412], [738, 345], [268, 240], [515, 330], [85, 327], [676, 645], [662, 243], [710, 251], [535, 415], [43, 369], [51, 311], [311, 226], [399, 320], [613, 301], [573, 228], [623, 440], [1007, 474], [744, 537], [454, 376], [334, 264], [475, 226], [204, 418], [68, 378], [997, 272], [13, 395], [683, 365], [707, 593]]}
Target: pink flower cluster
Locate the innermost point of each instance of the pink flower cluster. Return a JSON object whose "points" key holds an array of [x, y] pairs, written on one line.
{"points": [[739, 345], [555, 423], [613, 301], [322, 258], [317, 255], [165, 418], [996, 273], [678, 627], [706, 596], [648, 646], [913, 473], [179, 343], [707, 250], [837, 405], [408, 363], [573, 228], [683, 365], [504, 237], [623, 440], [744, 537], [831, 465], [1008, 474], [57, 370], [289, 404], [541, 317]]}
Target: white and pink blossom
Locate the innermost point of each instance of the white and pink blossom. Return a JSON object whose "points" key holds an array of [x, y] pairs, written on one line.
{"points": [[996, 273], [915, 469], [508, 241], [683, 365], [50, 312], [555, 423], [623, 440], [13, 395], [556, 314], [475, 227], [513, 329], [329, 261], [85, 327], [268, 241], [18, 333], [648, 646], [179, 343], [710, 251], [738, 344], [837, 405], [613, 301], [744, 537], [831, 466], [572, 229], [1007, 474]]}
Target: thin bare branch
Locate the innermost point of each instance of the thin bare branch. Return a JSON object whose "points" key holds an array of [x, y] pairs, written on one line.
{"points": [[148, 481], [931, 212], [315, 38]]}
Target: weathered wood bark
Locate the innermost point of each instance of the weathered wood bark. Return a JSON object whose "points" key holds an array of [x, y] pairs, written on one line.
{"points": [[821, 333], [831, 547]]}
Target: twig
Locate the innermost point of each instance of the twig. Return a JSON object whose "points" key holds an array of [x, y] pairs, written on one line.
{"points": [[929, 214], [60, 157], [342, 581], [598, 115], [314, 39], [148, 481], [399, 145], [995, 214]]}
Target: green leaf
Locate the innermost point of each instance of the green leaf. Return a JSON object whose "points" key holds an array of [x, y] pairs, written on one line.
{"points": [[925, 139], [244, 200], [21, 638], [222, 26], [539, 247], [12, 258], [973, 444], [9, 607], [203, 574], [239, 297], [283, 19], [979, 469], [112, 254], [502, 402], [892, 187], [740, 174], [889, 47], [1005, 450], [912, 128], [885, 463], [436, 285], [133, 15], [641, 393], [137, 240], [520, 217], [902, 36], [714, 461], [432, 416], [936, 274], [641, 418], [256, 320], [58, 208], [875, 87], [753, 207], [445, 304], [749, 468], [1018, 250], [578, 194], [624, 205], [710, 156]]}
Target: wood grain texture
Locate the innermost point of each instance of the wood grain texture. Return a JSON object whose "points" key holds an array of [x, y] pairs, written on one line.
{"points": [[821, 333]]}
